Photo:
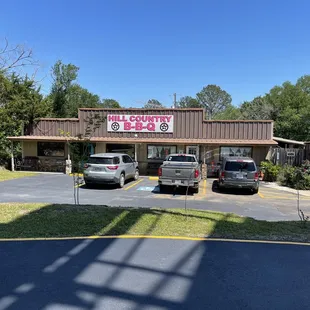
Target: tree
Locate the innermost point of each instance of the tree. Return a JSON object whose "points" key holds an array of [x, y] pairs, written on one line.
{"points": [[287, 105], [63, 76], [14, 57], [304, 83], [153, 104], [257, 109], [79, 97], [188, 102], [213, 99], [291, 111], [21, 105], [231, 112], [110, 104]]}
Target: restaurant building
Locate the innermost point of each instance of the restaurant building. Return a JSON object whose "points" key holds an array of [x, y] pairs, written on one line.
{"points": [[148, 135]]}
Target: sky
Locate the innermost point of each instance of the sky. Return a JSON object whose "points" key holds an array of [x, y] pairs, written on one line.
{"points": [[137, 50]]}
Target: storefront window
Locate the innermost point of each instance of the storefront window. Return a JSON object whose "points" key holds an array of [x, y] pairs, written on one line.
{"points": [[240, 151], [160, 152], [52, 149]]}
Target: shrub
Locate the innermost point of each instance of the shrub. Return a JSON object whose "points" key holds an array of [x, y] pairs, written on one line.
{"points": [[270, 171], [295, 177]]}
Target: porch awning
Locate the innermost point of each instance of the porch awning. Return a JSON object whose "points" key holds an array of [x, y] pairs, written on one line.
{"points": [[145, 140]]}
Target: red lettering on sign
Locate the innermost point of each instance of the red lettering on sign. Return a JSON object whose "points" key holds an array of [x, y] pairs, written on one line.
{"points": [[150, 127], [112, 118], [162, 119], [127, 126], [132, 118], [139, 126], [138, 118]]}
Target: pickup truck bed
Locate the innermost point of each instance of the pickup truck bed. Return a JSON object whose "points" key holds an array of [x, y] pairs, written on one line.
{"points": [[180, 170]]}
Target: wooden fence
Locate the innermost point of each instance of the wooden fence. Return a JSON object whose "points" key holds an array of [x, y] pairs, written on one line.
{"points": [[292, 157]]}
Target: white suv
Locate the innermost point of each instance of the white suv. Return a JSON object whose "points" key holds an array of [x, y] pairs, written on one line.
{"points": [[110, 168]]}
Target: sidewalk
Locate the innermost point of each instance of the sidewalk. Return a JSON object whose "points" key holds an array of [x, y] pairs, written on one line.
{"points": [[285, 189]]}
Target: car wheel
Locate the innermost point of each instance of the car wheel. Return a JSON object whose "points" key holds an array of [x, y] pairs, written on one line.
{"points": [[136, 175], [195, 190], [121, 180], [88, 185], [255, 190]]}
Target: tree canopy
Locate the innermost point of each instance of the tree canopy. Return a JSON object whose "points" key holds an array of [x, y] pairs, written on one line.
{"points": [[189, 102], [67, 96], [288, 105], [110, 104], [21, 105], [153, 104], [214, 100]]}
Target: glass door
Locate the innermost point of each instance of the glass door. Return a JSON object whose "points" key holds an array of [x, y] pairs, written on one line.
{"points": [[193, 149]]}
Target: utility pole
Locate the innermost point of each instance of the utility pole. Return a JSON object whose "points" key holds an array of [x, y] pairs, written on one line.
{"points": [[174, 100]]}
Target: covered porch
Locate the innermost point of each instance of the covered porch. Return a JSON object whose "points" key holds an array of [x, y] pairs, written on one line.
{"points": [[55, 153]]}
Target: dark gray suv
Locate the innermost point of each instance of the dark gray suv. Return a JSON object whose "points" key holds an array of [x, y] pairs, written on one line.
{"points": [[239, 172]]}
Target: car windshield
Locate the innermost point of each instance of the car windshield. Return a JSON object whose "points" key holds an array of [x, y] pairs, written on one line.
{"points": [[181, 158], [102, 160], [237, 166]]}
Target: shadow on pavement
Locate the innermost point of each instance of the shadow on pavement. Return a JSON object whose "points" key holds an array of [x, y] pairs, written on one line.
{"points": [[141, 273], [231, 191], [106, 187], [170, 190]]}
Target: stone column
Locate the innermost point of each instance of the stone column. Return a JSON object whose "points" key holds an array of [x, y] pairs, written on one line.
{"points": [[204, 171]]}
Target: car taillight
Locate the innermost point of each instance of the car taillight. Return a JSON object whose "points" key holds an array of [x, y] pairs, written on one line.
{"points": [[256, 176], [160, 172], [86, 166], [223, 175], [196, 174], [112, 167]]}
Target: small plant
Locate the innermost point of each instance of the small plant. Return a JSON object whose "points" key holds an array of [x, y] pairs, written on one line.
{"points": [[270, 171]]}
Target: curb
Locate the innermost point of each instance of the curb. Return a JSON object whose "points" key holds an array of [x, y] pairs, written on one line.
{"points": [[182, 238]]}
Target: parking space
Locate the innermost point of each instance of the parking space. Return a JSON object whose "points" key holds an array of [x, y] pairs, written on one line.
{"points": [[269, 203]]}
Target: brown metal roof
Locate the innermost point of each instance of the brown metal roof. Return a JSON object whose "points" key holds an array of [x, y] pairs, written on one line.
{"points": [[148, 140]]}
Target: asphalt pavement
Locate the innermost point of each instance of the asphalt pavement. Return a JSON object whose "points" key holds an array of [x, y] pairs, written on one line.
{"points": [[153, 274], [270, 204]]}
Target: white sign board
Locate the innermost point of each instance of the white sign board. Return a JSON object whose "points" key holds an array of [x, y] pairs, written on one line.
{"points": [[140, 123], [290, 154]]}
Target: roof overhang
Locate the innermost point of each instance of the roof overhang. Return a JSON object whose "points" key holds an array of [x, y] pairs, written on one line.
{"points": [[145, 140], [288, 141]]}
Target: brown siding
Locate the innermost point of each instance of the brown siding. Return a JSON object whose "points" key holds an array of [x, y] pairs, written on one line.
{"points": [[259, 153], [188, 124]]}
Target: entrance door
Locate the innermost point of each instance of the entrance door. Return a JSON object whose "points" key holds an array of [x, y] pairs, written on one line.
{"points": [[193, 149], [128, 149]]}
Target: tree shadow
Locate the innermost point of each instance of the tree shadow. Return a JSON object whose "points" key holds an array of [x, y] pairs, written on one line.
{"points": [[141, 273]]}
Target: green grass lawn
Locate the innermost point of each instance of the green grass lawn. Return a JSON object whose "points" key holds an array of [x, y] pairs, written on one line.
{"points": [[9, 175], [45, 220]]}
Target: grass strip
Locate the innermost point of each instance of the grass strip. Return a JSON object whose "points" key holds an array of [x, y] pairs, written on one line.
{"points": [[52, 220], [9, 175]]}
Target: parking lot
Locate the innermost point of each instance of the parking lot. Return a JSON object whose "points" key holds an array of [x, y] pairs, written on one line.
{"points": [[268, 204]]}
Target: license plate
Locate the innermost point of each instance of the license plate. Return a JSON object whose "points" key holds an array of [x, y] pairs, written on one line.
{"points": [[177, 182], [96, 169], [239, 176]]}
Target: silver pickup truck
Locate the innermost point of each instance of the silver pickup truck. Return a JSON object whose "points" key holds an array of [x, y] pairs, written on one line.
{"points": [[180, 170]]}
